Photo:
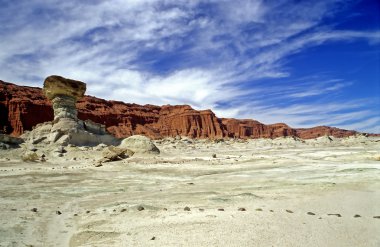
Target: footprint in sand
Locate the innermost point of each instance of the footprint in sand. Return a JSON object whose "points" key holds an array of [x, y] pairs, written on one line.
{"points": [[337, 215]]}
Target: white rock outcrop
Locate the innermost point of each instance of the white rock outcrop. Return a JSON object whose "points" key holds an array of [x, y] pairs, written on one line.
{"points": [[140, 145]]}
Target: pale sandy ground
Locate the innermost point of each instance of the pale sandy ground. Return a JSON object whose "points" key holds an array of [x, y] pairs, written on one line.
{"points": [[99, 205]]}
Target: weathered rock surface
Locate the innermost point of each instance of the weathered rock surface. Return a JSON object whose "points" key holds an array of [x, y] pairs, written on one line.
{"points": [[316, 132], [21, 108], [10, 139], [139, 144], [7, 141], [247, 128], [112, 153]]}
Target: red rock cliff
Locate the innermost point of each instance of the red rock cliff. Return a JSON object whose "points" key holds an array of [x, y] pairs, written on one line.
{"points": [[248, 128], [22, 107], [322, 131], [185, 121]]}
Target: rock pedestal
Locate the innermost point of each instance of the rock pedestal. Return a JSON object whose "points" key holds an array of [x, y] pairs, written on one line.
{"points": [[64, 107], [66, 128]]}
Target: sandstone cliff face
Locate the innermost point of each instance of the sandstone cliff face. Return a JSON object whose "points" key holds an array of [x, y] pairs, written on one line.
{"points": [[120, 119], [21, 108], [185, 121], [248, 128], [322, 131]]}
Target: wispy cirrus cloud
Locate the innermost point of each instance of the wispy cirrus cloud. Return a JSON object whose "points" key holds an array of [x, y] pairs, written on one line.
{"points": [[229, 56]]}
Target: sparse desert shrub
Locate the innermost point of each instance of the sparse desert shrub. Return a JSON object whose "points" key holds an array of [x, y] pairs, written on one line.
{"points": [[29, 156]]}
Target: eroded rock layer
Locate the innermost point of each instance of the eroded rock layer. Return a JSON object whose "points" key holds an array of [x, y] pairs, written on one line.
{"points": [[22, 107]]}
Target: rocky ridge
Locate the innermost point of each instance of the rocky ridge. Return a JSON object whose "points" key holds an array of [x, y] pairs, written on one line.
{"points": [[22, 108]]}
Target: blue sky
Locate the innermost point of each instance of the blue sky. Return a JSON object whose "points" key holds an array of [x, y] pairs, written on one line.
{"points": [[305, 63]]}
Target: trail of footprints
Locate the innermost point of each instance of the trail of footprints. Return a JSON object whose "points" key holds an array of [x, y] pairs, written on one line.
{"points": [[241, 209], [140, 208], [47, 168], [118, 211]]}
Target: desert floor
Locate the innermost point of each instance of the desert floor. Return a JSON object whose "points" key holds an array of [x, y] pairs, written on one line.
{"points": [[281, 192]]}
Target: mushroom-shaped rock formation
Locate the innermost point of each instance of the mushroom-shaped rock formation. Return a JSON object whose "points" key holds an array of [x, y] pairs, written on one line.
{"points": [[63, 93], [66, 127]]}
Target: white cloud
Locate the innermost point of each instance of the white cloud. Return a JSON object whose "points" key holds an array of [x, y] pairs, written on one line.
{"points": [[371, 125], [219, 48]]}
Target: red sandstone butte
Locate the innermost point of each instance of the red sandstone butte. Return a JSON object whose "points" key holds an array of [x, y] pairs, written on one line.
{"points": [[23, 107]]}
